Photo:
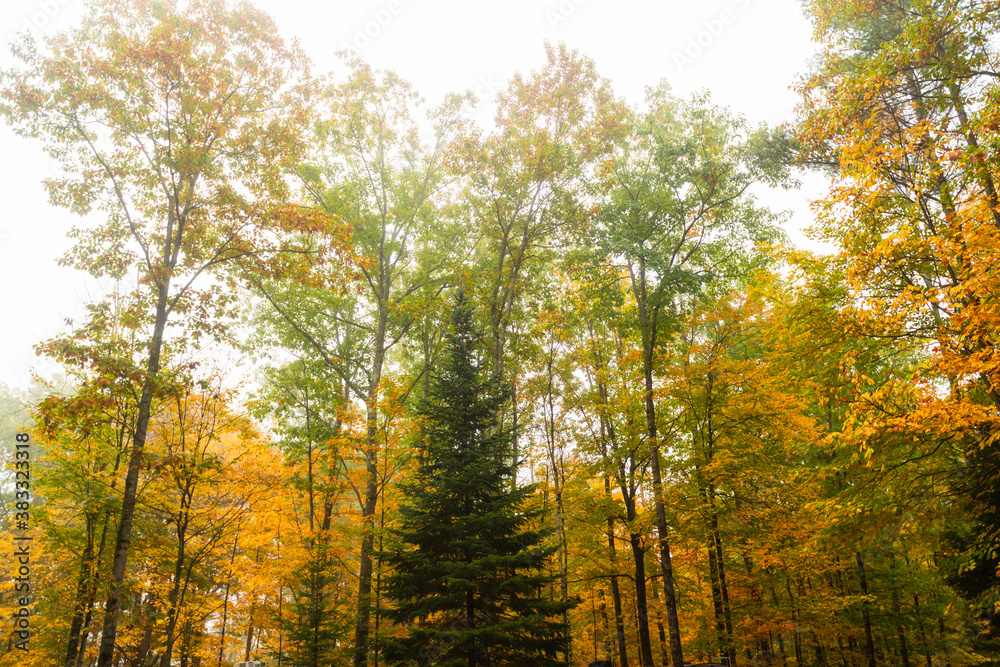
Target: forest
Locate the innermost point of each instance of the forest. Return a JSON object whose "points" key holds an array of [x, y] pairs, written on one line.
{"points": [[373, 384]]}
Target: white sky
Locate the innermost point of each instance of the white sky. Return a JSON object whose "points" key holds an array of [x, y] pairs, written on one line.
{"points": [[746, 52]]}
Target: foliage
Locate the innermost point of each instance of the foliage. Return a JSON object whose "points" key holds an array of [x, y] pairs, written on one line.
{"points": [[731, 448]]}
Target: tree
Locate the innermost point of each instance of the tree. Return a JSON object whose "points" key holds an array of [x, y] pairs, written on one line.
{"points": [[374, 170], [86, 432], [739, 423], [178, 124], [522, 186], [904, 106], [676, 213], [310, 420], [467, 573]]}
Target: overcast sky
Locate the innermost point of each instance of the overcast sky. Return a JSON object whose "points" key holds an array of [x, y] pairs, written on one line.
{"points": [[748, 53]]}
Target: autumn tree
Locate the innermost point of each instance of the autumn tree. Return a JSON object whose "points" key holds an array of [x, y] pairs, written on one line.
{"points": [[677, 213], [611, 408], [739, 422], [903, 106], [87, 430], [177, 124], [522, 188], [371, 169], [309, 413]]}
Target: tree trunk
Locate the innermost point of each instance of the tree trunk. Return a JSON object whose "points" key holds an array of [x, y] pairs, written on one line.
{"points": [[723, 588], [664, 644], [118, 567], [225, 599], [797, 637], [608, 434], [904, 654], [81, 604], [361, 629], [557, 479], [249, 647], [923, 633], [616, 597], [92, 593], [720, 623], [669, 596], [818, 650], [142, 650], [642, 610], [865, 615], [173, 610]]}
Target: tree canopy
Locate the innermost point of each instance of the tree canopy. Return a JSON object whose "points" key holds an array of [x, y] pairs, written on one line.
{"points": [[646, 430]]}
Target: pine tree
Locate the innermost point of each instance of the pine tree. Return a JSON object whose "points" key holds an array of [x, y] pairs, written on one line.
{"points": [[313, 630], [467, 572]]}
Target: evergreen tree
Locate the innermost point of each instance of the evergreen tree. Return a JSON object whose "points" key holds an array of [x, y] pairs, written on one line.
{"points": [[467, 572], [312, 628]]}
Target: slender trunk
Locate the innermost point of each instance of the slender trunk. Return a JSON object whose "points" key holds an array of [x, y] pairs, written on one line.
{"points": [[795, 619], [840, 642], [764, 643], [843, 590], [92, 594], [616, 597], [642, 610], [669, 595], [666, 567], [557, 478], [904, 654], [724, 588], [664, 645], [186, 645], [609, 644], [879, 651], [109, 632], [361, 629], [593, 617], [608, 435], [381, 546], [86, 624], [515, 439], [367, 546], [173, 608], [225, 599], [249, 647], [81, 605], [838, 587], [147, 636], [865, 615], [923, 633], [781, 637], [720, 623], [253, 604], [818, 650], [281, 598], [309, 469], [944, 641]]}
